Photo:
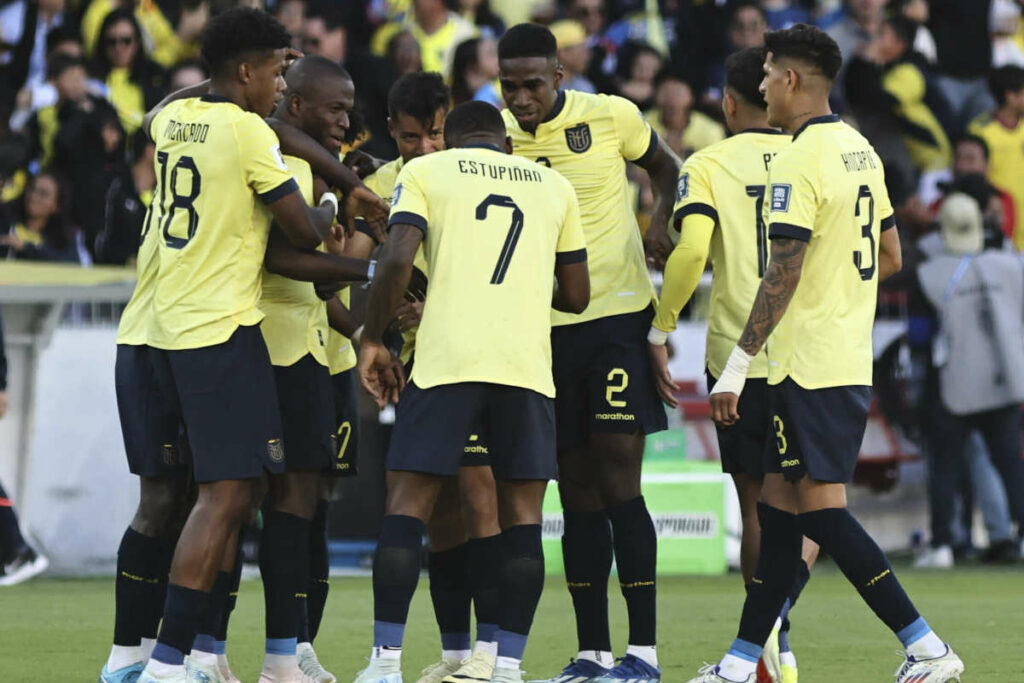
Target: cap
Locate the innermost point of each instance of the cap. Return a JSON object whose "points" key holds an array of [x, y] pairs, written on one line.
{"points": [[960, 223], [568, 33]]}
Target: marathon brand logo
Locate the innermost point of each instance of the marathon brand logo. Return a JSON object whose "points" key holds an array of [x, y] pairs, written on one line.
{"points": [[578, 138]]}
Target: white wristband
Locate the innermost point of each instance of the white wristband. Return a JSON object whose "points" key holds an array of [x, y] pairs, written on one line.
{"points": [[734, 375], [371, 269], [357, 336], [656, 336], [329, 198]]}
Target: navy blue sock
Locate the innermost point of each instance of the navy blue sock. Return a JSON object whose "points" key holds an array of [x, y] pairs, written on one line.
{"points": [[522, 581], [781, 543], [636, 557], [803, 575], [319, 571], [284, 549], [863, 563], [396, 571], [206, 638], [450, 593], [11, 540], [183, 612], [232, 600], [587, 556], [485, 555], [141, 586]]}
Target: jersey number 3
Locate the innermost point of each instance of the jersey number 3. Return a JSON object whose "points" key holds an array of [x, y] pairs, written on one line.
{"points": [[514, 230], [866, 272]]}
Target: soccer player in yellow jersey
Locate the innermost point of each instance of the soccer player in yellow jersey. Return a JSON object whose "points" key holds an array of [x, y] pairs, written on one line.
{"points": [[718, 210], [1003, 132], [221, 179], [833, 238], [607, 400], [499, 234]]}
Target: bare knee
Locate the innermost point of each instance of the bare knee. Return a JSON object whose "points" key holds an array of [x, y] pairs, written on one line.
{"points": [[164, 504], [445, 529], [577, 481], [619, 458], [479, 501], [295, 493], [412, 494], [227, 503]]}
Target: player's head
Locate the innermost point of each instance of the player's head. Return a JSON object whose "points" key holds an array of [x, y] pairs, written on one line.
{"points": [[244, 52], [417, 106], [800, 64], [742, 99], [530, 73], [474, 123], [970, 156], [319, 97], [1007, 85]]}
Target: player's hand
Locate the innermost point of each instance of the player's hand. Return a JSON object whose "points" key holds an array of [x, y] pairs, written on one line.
{"points": [[362, 202], [657, 354], [379, 374], [656, 241], [408, 315], [326, 290], [362, 163], [291, 55], [3, 403], [725, 408]]}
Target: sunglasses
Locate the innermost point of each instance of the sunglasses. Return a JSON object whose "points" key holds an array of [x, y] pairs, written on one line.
{"points": [[119, 40]]}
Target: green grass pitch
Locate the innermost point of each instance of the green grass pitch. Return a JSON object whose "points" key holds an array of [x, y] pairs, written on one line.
{"points": [[58, 631]]}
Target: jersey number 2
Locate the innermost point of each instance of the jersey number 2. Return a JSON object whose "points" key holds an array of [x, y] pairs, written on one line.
{"points": [[866, 273], [514, 230], [178, 201]]}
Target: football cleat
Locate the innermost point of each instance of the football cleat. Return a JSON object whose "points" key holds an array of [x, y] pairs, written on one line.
{"points": [[127, 674], [630, 669], [180, 677], [944, 669], [436, 672], [478, 667], [225, 670], [381, 671], [789, 673], [709, 674], [503, 675], [770, 657], [311, 666], [577, 671], [296, 677], [200, 672], [25, 564]]}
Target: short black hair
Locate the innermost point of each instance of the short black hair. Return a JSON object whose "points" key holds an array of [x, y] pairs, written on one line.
{"points": [[60, 63], [527, 40], [418, 95], [61, 34], [905, 29], [1005, 79], [744, 71], [240, 31], [808, 44], [335, 15], [974, 140], [311, 70], [747, 4], [472, 117]]}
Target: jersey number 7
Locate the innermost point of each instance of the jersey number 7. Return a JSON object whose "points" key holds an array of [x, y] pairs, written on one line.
{"points": [[514, 230]]}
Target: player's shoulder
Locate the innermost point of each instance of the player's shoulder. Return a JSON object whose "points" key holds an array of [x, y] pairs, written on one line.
{"points": [[383, 179]]}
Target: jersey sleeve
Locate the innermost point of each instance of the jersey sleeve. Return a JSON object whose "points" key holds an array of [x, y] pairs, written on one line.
{"points": [[885, 210], [408, 201], [683, 270], [259, 156], [791, 205], [571, 246], [693, 191], [360, 223], [637, 140]]}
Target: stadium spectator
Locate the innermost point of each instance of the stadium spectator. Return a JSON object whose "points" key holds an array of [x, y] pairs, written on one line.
{"points": [[977, 299], [1005, 26], [292, 15], [970, 171], [166, 41], [674, 119], [573, 54], [917, 11], [325, 33], [746, 28], [589, 13], [134, 82], [480, 14], [37, 228], [784, 13], [127, 201], [30, 20], [964, 49], [475, 72], [1003, 132], [853, 33], [437, 30], [639, 64], [184, 75]]}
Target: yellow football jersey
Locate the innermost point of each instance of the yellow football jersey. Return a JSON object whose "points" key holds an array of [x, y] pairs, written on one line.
{"points": [[216, 167], [133, 328], [828, 189], [1006, 163], [295, 322], [494, 226], [588, 138], [726, 182]]}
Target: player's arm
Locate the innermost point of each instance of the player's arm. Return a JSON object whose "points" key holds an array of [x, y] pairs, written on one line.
{"points": [[197, 90], [304, 226], [341, 320], [662, 165], [312, 266], [773, 296], [890, 252], [359, 200], [394, 270], [572, 287]]}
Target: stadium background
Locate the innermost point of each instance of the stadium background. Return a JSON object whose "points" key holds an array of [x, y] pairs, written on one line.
{"points": [[61, 291]]}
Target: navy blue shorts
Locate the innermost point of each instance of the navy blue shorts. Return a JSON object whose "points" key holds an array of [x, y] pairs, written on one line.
{"points": [[151, 425], [742, 445], [603, 380], [816, 433], [433, 427], [475, 452], [346, 424], [228, 401], [305, 396]]}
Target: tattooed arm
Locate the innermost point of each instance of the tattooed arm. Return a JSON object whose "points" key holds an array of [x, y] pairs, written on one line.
{"points": [[773, 297]]}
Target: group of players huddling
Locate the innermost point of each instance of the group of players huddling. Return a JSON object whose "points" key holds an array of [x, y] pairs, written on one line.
{"points": [[537, 352]]}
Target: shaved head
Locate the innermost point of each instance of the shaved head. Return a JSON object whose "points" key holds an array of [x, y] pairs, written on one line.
{"points": [[308, 74]]}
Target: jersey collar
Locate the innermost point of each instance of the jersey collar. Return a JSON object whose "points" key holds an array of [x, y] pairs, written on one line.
{"points": [[762, 131], [828, 118], [557, 109], [214, 98], [485, 145]]}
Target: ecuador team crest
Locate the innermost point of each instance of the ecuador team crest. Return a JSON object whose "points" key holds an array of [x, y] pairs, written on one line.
{"points": [[578, 138]]}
